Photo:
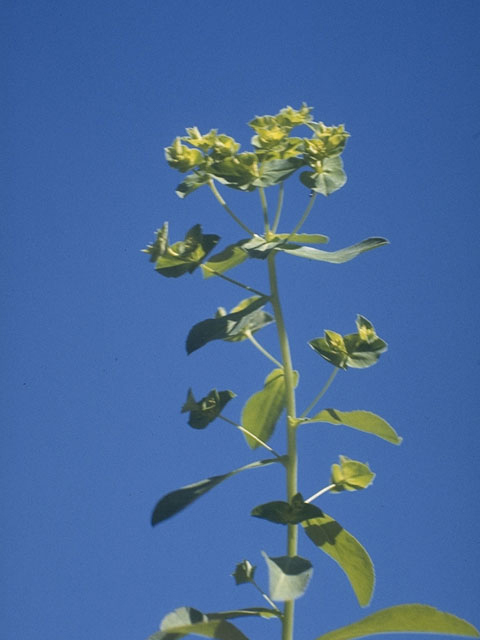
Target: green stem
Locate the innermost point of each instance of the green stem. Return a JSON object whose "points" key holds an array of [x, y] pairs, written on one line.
{"points": [[248, 433], [320, 493], [305, 215], [249, 335], [236, 282], [227, 208], [292, 459], [278, 212], [263, 200], [272, 604], [322, 392]]}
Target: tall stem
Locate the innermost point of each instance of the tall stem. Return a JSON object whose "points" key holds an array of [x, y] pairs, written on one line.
{"points": [[292, 459]]}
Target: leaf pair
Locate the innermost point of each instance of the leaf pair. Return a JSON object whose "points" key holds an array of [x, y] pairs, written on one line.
{"points": [[355, 350], [203, 412]]}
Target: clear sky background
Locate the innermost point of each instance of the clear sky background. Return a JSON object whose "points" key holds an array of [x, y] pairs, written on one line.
{"points": [[93, 339]]}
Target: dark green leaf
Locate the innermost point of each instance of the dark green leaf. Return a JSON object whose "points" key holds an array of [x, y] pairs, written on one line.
{"points": [[262, 410], [351, 475], [190, 184], [260, 612], [228, 326], [184, 257], [363, 354], [328, 177], [284, 513], [230, 257], [173, 502], [404, 618], [219, 629], [361, 420], [336, 257], [244, 572], [182, 616], [275, 171], [288, 576], [203, 412], [332, 539]]}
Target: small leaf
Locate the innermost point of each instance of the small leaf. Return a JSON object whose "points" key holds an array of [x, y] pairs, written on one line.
{"points": [[230, 257], [182, 616], [361, 420], [173, 502], [288, 576], [308, 238], [336, 257], [190, 184], [229, 325], [260, 612], [262, 410], [244, 572], [252, 322], [203, 412], [328, 177], [329, 536], [404, 618], [284, 513], [182, 257], [159, 245], [219, 629], [351, 475]]}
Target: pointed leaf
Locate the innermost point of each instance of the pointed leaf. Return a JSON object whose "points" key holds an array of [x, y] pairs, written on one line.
{"points": [[252, 322], [336, 257], [244, 572], [183, 257], [288, 576], [308, 238], [203, 412], [361, 420], [219, 629], [329, 536], [404, 618], [261, 612], [182, 616], [284, 513], [226, 326], [173, 502], [190, 184], [262, 410], [351, 475], [230, 257]]}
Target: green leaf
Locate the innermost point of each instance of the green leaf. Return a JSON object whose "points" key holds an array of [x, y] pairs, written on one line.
{"points": [[357, 350], [409, 618], [261, 612], [244, 572], [190, 184], [275, 171], [219, 629], [361, 420], [288, 576], [173, 502], [308, 238], [230, 257], [351, 475], [284, 513], [252, 322], [329, 536], [203, 412], [230, 325], [182, 257], [262, 410], [328, 177], [336, 257]]}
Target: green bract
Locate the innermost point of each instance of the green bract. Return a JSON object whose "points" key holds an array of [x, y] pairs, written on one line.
{"points": [[285, 143]]}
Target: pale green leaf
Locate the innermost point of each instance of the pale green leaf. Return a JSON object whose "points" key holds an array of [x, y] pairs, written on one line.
{"points": [[329, 536], [351, 475], [262, 410], [362, 420], [230, 257], [173, 502], [327, 179], [404, 618], [288, 576], [308, 238], [219, 629], [336, 257]]}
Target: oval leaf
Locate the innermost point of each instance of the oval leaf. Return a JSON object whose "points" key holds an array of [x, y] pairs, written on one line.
{"points": [[281, 512], [288, 576], [230, 257], [412, 618], [219, 629], [173, 502], [361, 420], [329, 536], [336, 257], [331, 178], [262, 410]]}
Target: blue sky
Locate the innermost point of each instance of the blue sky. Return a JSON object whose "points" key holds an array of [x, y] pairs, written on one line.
{"points": [[93, 338]]}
